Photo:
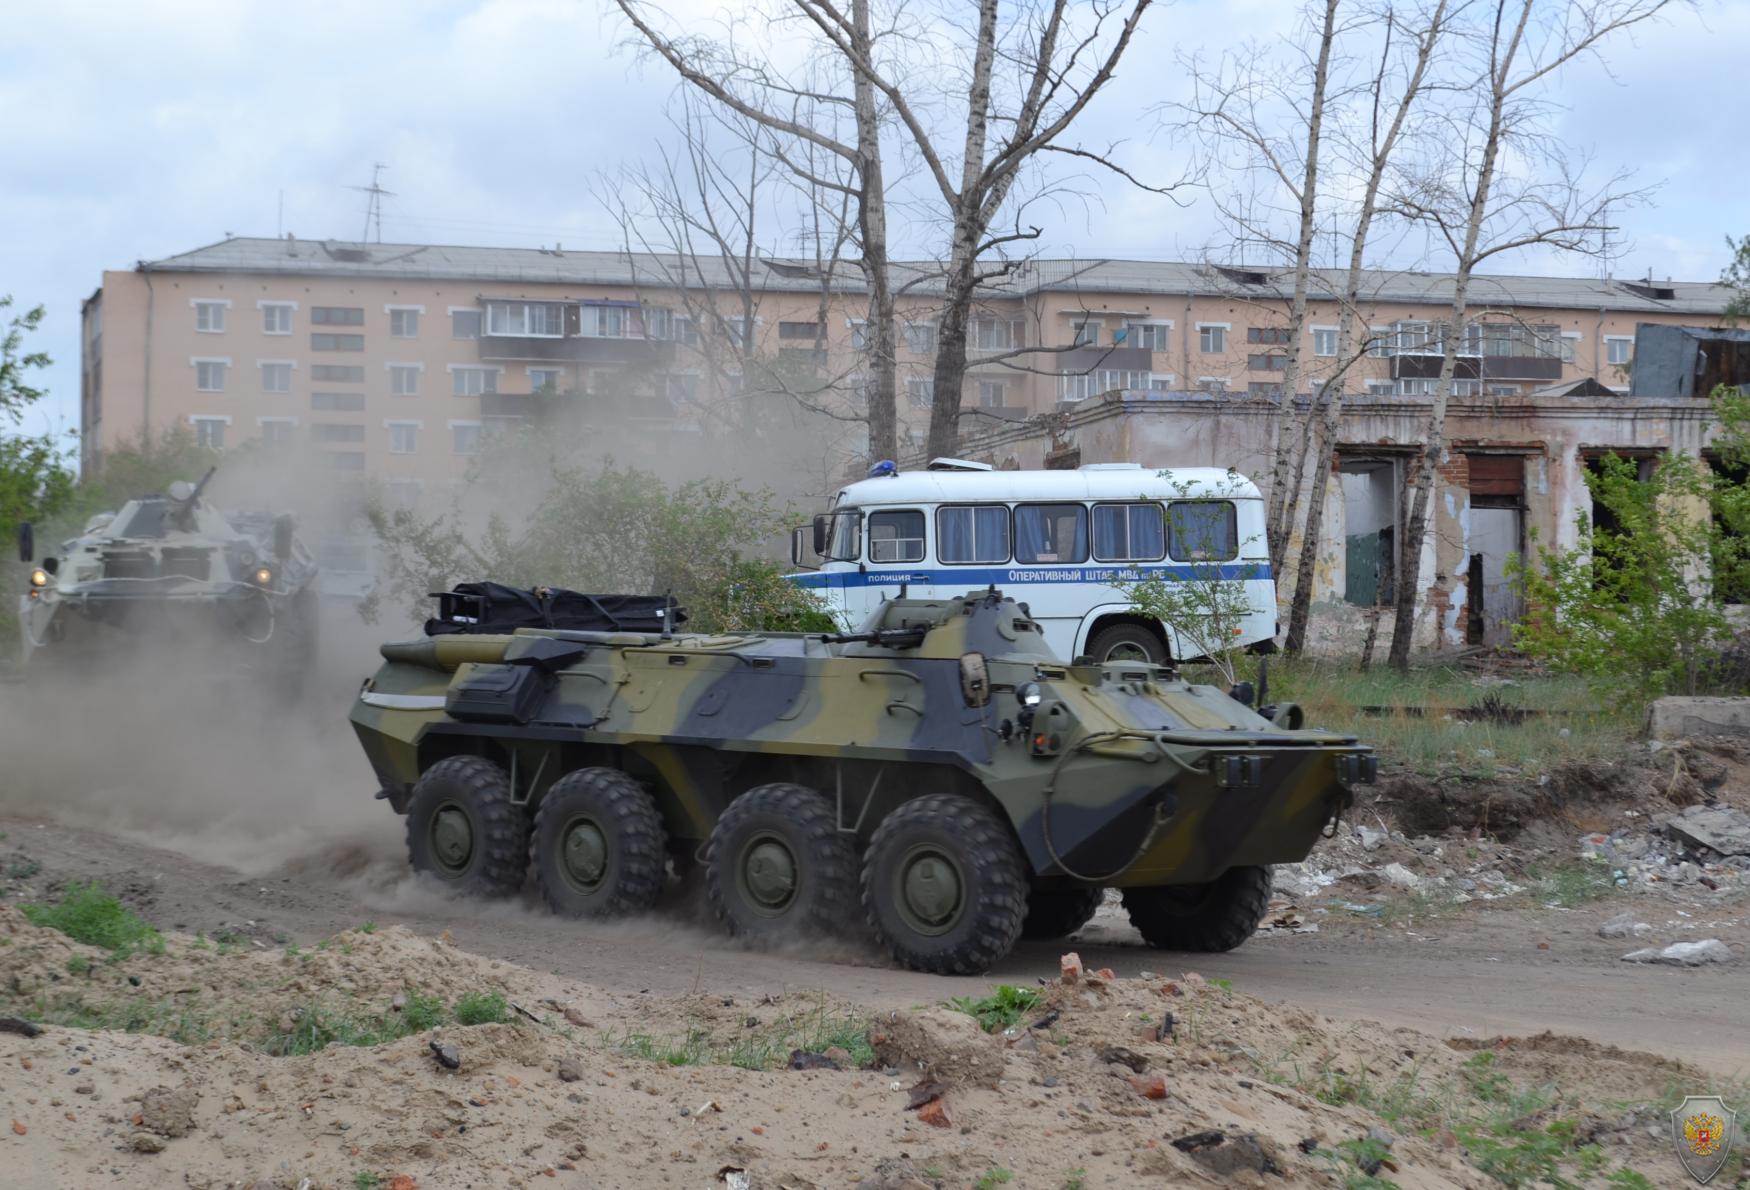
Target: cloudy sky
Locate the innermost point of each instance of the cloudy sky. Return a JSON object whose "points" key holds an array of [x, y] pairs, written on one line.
{"points": [[136, 129]]}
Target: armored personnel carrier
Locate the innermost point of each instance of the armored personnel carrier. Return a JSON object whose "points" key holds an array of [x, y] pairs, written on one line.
{"points": [[939, 774], [164, 566]]}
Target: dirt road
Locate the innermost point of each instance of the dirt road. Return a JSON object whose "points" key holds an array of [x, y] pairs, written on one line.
{"points": [[1478, 973]]}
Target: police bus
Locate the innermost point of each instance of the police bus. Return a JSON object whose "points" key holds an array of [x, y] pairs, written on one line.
{"points": [[1053, 540]]}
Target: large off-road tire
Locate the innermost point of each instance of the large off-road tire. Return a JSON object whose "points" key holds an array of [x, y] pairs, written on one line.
{"points": [[945, 885], [1126, 642], [599, 849], [1059, 912], [462, 828], [1215, 916], [777, 866]]}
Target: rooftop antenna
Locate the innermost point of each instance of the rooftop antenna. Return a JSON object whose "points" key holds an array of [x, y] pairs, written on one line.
{"points": [[374, 207]]}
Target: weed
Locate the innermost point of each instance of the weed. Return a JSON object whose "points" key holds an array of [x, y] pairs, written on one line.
{"points": [[421, 1012], [23, 868], [369, 927], [293, 952], [200, 942], [1628, 1179], [1226, 985], [78, 965], [85, 913], [1002, 1008], [1075, 1179], [1573, 884], [364, 1179], [933, 1171], [693, 1050], [992, 1178], [477, 1009], [765, 1048]]}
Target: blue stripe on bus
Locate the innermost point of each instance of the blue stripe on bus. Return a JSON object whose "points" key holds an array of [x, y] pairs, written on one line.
{"points": [[967, 577]]}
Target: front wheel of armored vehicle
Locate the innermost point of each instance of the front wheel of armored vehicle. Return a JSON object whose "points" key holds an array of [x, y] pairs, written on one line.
{"points": [[1059, 912], [1208, 917], [463, 829], [778, 867], [945, 885], [599, 848]]}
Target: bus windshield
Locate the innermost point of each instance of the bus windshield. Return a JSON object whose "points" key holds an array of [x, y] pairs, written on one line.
{"points": [[844, 535]]}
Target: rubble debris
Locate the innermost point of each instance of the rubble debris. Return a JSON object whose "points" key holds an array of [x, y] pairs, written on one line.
{"points": [[1046, 1021], [923, 1093], [570, 1070], [1718, 828], [168, 1111], [146, 1142], [936, 1114], [804, 1060], [1151, 1086], [1118, 1055], [1070, 967], [735, 1177], [446, 1054], [1624, 925], [941, 1043], [1684, 954], [1224, 1155], [20, 1026]]}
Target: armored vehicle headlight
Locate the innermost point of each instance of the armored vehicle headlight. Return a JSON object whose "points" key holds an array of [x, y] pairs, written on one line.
{"points": [[39, 577], [1028, 694], [263, 576]]}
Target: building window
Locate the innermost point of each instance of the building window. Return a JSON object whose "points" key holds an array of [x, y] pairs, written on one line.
{"points": [[1503, 390], [1619, 349], [1325, 341], [859, 334], [473, 382], [338, 373], [539, 320], [545, 380], [1087, 334], [403, 437], [337, 316], [1269, 335], [684, 330], [404, 380], [1570, 346], [209, 316], [209, 431], [330, 342], [276, 430], [658, 322], [1150, 336], [992, 394], [403, 322], [807, 331], [1266, 362], [276, 376], [739, 332], [465, 437], [920, 391], [464, 323], [994, 334], [1129, 533], [337, 402], [603, 322], [1212, 340], [1381, 344], [1381, 388], [920, 338], [681, 386], [402, 493], [1212, 384], [329, 431], [209, 375], [276, 317]]}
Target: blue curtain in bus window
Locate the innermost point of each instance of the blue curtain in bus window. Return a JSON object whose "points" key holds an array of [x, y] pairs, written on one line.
{"points": [[969, 534], [1129, 533], [1051, 533], [1204, 530]]}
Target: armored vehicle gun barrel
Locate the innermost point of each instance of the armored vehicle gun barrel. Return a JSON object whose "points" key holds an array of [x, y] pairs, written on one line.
{"points": [[939, 774]]}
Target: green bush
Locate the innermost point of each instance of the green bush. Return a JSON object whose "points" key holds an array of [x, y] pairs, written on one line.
{"points": [[478, 1009], [85, 913]]}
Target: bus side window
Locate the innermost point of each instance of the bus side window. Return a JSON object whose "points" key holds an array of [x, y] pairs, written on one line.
{"points": [[1129, 533], [1202, 530], [1051, 533], [968, 533], [896, 535]]}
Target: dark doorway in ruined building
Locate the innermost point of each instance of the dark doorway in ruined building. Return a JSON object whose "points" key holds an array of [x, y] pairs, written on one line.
{"points": [[1644, 463], [1372, 510], [1496, 533], [1730, 577]]}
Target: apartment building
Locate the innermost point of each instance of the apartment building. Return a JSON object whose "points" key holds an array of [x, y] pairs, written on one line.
{"points": [[393, 359]]}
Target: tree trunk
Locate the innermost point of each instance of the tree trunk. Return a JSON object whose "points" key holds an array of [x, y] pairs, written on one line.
{"points": [[872, 230], [950, 372]]}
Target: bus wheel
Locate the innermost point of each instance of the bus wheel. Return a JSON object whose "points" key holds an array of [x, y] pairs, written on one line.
{"points": [[1126, 642]]}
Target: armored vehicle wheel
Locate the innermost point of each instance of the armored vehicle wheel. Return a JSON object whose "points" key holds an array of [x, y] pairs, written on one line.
{"points": [[598, 846], [778, 866], [945, 886], [1215, 916], [1059, 912], [462, 828], [1126, 642]]}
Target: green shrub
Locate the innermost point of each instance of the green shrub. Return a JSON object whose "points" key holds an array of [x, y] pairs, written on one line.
{"points": [[477, 1009], [85, 913]]}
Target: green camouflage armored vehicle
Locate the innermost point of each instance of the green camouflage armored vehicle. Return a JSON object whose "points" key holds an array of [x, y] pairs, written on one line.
{"points": [[939, 773], [165, 567]]}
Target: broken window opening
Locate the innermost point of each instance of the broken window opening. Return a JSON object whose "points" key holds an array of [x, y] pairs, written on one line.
{"points": [[1730, 547], [1372, 488]]}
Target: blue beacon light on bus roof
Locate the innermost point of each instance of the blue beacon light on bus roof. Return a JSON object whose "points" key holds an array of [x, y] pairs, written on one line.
{"points": [[884, 467]]}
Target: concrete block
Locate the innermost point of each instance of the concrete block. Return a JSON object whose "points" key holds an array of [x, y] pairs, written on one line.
{"points": [[1675, 717]]}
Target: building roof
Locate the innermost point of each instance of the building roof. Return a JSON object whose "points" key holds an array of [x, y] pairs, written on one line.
{"points": [[563, 266]]}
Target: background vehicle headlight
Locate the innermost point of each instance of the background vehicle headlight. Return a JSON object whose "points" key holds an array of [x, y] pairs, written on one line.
{"points": [[39, 577], [263, 576]]}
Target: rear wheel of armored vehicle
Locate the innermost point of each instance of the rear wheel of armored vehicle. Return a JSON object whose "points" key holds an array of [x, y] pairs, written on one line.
{"points": [[1059, 912], [599, 848], [777, 865], [945, 885], [1126, 642], [1215, 916], [463, 829]]}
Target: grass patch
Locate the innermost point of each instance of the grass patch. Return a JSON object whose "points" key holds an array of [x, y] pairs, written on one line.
{"points": [[85, 913], [1002, 1008], [1571, 884], [23, 868], [992, 1178], [319, 1024], [477, 1009], [766, 1047], [1417, 719]]}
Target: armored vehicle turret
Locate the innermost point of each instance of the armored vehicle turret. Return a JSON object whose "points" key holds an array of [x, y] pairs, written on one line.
{"points": [[169, 566], [939, 774]]}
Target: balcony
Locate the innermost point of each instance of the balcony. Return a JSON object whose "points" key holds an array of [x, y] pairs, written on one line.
{"points": [[1119, 359], [574, 349], [1543, 368]]}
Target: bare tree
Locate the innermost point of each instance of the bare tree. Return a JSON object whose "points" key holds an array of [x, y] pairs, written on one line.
{"points": [[1406, 57], [1479, 195], [1061, 56], [806, 112]]}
